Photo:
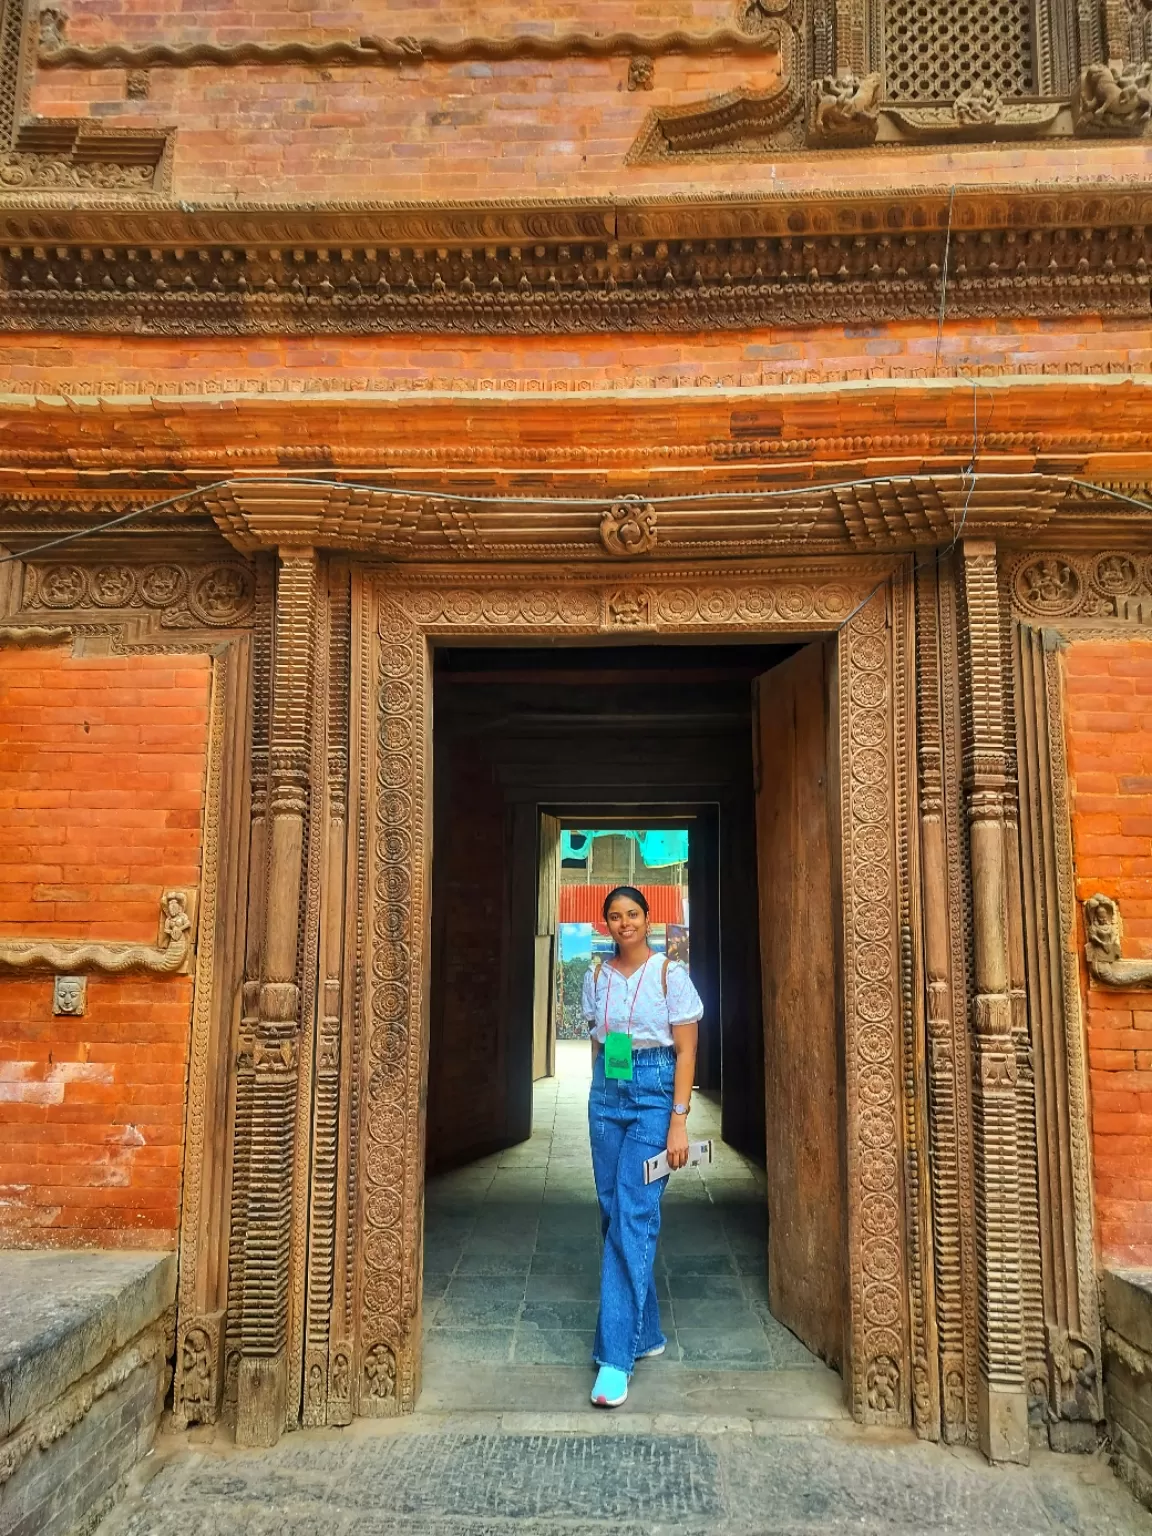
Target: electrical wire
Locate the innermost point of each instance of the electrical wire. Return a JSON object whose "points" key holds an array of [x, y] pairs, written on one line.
{"points": [[944, 279]]}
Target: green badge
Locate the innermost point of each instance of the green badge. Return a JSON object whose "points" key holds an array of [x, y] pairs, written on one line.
{"points": [[618, 1055]]}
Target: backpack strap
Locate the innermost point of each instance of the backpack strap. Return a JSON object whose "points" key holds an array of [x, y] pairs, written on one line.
{"points": [[597, 962], [664, 976]]}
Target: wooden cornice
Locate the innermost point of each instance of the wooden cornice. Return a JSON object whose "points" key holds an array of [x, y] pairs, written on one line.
{"points": [[896, 514], [623, 265]]}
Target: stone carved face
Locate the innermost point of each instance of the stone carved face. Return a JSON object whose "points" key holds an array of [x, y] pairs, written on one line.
{"points": [[69, 996]]}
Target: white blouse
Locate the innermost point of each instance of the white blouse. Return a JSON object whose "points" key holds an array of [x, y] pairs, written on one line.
{"points": [[611, 997]]}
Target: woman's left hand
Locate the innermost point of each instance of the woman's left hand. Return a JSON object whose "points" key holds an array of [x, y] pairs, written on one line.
{"points": [[677, 1141]]}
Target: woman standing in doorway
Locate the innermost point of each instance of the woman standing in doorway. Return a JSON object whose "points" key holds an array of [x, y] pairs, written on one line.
{"points": [[643, 1013]]}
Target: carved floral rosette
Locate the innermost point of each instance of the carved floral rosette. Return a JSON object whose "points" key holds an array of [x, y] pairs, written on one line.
{"points": [[217, 596], [878, 1283], [410, 606]]}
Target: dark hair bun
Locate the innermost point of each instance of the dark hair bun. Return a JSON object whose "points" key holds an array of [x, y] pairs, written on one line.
{"points": [[632, 894]]}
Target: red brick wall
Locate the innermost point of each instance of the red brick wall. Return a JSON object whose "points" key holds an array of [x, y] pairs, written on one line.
{"points": [[568, 369], [1109, 704], [472, 130], [101, 788]]}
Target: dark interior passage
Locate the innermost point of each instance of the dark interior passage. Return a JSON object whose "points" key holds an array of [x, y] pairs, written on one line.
{"points": [[644, 734], [512, 1274]]}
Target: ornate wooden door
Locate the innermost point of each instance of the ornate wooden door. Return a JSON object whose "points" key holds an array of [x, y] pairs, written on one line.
{"points": [[547, 912], [802, 1028]]}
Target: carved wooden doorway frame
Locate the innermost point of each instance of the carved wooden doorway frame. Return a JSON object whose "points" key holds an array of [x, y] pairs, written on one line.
{"points": [[399, 613]]}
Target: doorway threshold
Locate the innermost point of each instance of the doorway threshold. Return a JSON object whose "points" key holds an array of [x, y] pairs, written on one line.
{"points": [[561, 1393]]}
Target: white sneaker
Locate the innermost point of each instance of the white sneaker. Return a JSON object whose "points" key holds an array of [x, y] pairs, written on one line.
{"points": [[650, 1354]]}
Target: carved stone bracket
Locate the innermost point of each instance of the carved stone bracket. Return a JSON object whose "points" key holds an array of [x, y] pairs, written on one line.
{"points": [[1114, 100], [845, 109], [169, 957], [1104, 938]]}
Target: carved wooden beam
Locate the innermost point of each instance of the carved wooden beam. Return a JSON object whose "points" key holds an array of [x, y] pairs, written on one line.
{"points": [[629, 266], [168, 957], [1104, 937]]}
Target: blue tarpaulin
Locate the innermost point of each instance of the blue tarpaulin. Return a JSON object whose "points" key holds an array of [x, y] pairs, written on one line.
{"points": [[658, 849]]}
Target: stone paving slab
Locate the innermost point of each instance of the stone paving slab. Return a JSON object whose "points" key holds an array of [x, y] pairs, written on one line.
{"points": [[541, 1476]]}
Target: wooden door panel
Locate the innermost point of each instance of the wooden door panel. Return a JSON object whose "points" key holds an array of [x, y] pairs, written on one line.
{"points": [[802, 1070], [547, 915]]}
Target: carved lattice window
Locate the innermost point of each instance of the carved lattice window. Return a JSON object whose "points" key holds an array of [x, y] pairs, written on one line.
{"points": [[936, 50]]}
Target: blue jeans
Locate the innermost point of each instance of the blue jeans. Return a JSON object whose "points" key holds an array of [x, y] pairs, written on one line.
{"points": [[628, 1123]]}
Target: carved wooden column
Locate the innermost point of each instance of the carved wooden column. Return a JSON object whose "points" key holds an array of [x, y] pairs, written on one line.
{"points": [[262, 1385], [326, 1096], [1002, 1409], [1032, 1300], [241, 1109], [942, 1063], [1071, 1304]]}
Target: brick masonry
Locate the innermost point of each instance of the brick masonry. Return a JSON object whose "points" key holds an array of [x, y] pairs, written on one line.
{"points": [[101, 790], [475, 129], [1109, 721]]}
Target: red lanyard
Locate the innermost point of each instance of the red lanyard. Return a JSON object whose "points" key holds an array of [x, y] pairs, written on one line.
{"points": [[635, 995]]}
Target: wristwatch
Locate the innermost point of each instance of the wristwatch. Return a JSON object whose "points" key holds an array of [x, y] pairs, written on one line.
{"points": [[680, 1109]]}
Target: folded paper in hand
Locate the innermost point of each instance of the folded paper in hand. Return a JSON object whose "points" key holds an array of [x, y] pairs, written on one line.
{"points": [[657, 1167]]}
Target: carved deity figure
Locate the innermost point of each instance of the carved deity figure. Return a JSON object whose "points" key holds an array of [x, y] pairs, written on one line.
{"points": [[174, 919], [380, 1373], [1074, 1372], [641, 73], [628, 610], [1114, 98], [883, 1384], [196, 1376], [978, 104], [338, 1386], [1049, 584], [69, 996], [1104, 936], [845, 108], [52, 24]]}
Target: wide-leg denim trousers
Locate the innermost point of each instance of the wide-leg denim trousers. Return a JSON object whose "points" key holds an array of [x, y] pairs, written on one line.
{"points": [[628, 1123]]}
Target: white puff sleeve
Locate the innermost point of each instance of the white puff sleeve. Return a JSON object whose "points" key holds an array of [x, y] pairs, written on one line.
{"points": [[684, 1005], [588, 1000]]}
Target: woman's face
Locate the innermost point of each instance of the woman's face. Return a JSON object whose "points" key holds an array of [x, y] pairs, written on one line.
{"points": [[626, 920]]}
